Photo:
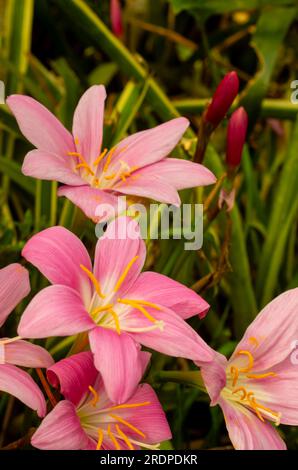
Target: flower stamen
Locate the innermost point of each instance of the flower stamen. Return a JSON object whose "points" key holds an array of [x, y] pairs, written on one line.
{"points": [[250, 360], [93, 280], [125, 438], [100, 157], [129, 425], [113, 438], [100, 439], [124, 274], [240, 389], [135, 304], [95, 396], [261, 376]]}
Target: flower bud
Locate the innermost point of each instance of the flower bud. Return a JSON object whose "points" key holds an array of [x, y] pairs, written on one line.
{"points": [[236, 135], [222, 99], [116, 17]]}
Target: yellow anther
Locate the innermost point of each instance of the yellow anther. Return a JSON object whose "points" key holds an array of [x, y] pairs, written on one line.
{"points": [[95, 396], [129, 405], [110, 177], [100, 157], [135, 304], [93, 280], [116, 320], [149, 304], [100, 439], [124, 274], [101, 309], [126, 423], [109, 158], [125, 438], [261, 376], [240, 389], [77, 141], [86, 167], [253, 341], [235, 374], [113, 439], [250, 360]]}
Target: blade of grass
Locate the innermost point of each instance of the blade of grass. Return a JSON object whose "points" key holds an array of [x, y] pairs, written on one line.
{"points": [[282, 216]]}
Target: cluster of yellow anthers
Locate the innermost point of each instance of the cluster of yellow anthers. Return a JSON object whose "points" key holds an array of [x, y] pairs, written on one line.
{"points": [[101, 313], [118, 434], [106, 178], [247, 398]]}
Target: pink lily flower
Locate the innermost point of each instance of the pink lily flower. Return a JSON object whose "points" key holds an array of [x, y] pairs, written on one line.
{"points": [[258, 385], [137, 166], [87, 420], [114, 302], [14, 286]]}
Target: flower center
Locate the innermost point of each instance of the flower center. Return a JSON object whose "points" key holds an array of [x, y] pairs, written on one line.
{"points": [[239, 387], [102, 173], [110, 311], [112, 426]]}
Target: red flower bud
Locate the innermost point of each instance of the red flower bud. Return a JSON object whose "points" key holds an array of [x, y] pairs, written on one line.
{"points": [[116, 17], [236, 135], [222, 99]]}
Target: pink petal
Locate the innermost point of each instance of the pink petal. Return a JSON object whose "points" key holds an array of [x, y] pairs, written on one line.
{"points": [[88, 122], [40, 126], [54, 311], [19, 384], [25, 354], [150, 419], [180, 173], [60, 430], [162, 290], [57, 254], [96, 204], [74, 375], [49, 166], [214, 376], [247, 431], [151, 145], [149, 186], [117, 357], [274, 328], [120, 244], [14, 286], [177, 339], [280, 393]]}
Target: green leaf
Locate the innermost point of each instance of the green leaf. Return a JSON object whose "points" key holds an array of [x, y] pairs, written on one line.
{"points": [[282, 216], [103, 73], [220, 6], [266, 42], [89, 24], [13, 171]]}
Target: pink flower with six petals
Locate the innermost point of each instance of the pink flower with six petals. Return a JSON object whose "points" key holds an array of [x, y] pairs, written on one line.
{"points": [[88, 420], [137, 166], [14, 286], [114, 302]]}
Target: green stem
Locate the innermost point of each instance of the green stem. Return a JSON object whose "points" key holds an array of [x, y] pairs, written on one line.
{"points": [[53, 216], [271, 108], [38, 197], [193, 378]]}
